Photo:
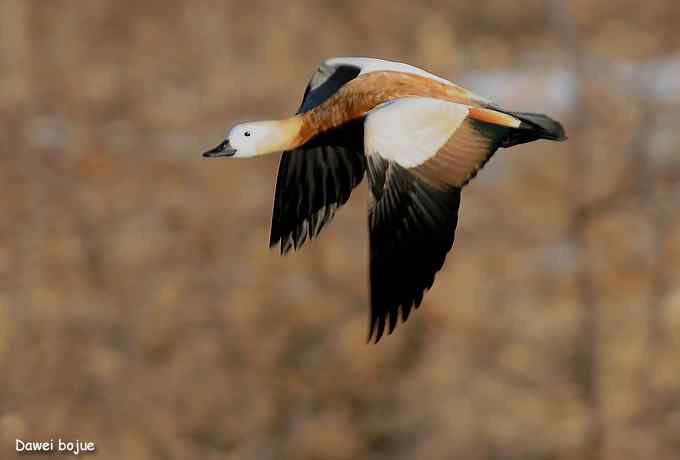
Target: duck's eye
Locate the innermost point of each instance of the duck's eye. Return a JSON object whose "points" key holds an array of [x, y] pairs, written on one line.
{"points": [[247, 134]]}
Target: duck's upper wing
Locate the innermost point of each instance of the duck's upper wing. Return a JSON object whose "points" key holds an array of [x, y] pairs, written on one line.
{"points": [[326, 81], [420, 153], [317, 178]]}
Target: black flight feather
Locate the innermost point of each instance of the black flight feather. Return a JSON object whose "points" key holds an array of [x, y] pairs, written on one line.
{"points": [[318, 177], [412, 227]]}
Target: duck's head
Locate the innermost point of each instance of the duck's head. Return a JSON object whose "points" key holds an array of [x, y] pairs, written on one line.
{"points": [[256, 138]]}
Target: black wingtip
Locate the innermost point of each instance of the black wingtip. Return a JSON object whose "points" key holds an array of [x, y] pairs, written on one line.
{"points": [[373, 337], [393, 317], [374, 332]]}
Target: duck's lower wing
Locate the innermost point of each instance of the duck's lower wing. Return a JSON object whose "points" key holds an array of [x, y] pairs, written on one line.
{"points": [[420, 153], [313, 181], [317, 178], [412, 227]]}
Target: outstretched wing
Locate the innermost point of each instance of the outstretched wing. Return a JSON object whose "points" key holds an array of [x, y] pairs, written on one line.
{"points": [[318, 177], [420, 153], [412, 226], [325, 82]]}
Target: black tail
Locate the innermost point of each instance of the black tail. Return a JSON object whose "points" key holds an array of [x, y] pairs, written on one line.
{"points": [[534, 126]]}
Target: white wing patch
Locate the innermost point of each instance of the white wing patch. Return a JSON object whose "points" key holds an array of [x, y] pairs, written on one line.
{"points": [[411, 130]]}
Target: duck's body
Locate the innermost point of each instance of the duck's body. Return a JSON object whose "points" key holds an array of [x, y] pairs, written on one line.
{"points": [[419, 137], [366, 92]]}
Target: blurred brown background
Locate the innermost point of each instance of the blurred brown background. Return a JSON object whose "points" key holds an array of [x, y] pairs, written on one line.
{"points": [[140, 307]]}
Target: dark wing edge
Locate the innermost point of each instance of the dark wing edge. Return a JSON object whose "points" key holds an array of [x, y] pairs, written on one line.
{"points": [[317, 178], [412, 227], [325, 82]]}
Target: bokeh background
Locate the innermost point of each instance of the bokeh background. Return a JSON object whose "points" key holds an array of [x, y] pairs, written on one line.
{"points": [[141, 309]]}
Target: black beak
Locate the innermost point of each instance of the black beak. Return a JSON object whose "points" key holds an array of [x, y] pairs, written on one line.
{"points": [[222, 150]]}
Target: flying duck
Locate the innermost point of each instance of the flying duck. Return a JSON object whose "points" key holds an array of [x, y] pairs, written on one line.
{"points": [[418, 137]]}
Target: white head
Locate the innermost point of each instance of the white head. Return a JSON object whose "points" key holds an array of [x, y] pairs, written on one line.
{"points": [[257, 138]]}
